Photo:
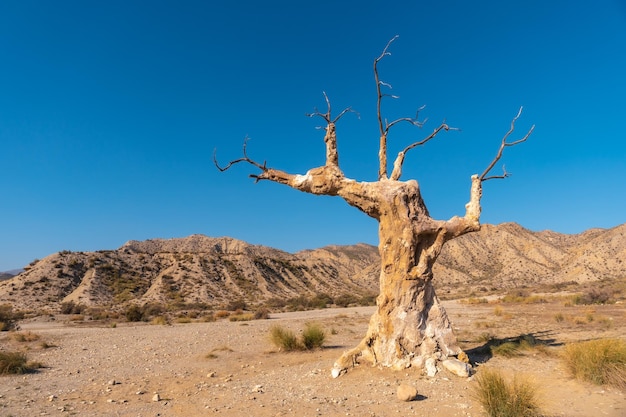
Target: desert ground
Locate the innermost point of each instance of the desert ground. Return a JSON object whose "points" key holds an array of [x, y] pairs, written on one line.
{"points": [[226, 368]]}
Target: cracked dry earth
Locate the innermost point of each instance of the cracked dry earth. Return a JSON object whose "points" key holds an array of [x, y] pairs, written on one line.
{"points": [[228, 368]]}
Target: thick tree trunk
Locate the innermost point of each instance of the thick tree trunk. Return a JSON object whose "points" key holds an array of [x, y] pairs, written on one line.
{"points": [[410, 326]]}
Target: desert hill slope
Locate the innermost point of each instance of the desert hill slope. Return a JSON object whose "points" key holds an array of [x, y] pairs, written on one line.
{"points": [[215, 271]]}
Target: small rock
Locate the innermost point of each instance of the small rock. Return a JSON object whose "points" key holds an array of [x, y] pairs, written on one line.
{"points": [[407, 392], [457, 367], [156, 397], [51, 397], [112, 382], [211, 375], [258, 388]]}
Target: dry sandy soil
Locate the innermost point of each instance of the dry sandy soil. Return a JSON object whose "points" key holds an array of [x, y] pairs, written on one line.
{"points": [[230, 369]]}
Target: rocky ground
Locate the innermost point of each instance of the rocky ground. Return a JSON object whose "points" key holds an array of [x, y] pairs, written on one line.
{"points": [[231, 369]]}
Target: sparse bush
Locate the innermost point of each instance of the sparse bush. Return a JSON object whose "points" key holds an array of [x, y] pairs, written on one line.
{"points": [[502, 399], [600, 361], [134, 313], [13, 363], [208, 317], [220, 314], [321, 300], [593, 296], [236, 305], [25, 337], [8, 317], [262, 314], [498, 311], [313, 336], [182, 319], [345, 300], [368, 300], [284, 339], [241, 317], [559, 317], [152, 310], [159, 320], [474, 300], [70, 307]]}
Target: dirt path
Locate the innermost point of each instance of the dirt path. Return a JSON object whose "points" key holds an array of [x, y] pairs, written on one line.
{"points": [[230, 368]]}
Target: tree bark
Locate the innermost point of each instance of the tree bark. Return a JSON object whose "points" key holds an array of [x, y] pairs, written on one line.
{"points": [[410, 326]]}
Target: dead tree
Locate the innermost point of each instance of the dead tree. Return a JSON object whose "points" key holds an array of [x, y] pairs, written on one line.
{"points": [[410, 326]]}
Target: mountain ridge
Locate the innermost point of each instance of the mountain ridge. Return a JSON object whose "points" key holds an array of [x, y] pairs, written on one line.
{"points": [[217, 270]]}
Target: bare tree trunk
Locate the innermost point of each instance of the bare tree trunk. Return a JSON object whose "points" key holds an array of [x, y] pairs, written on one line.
{"points": [[410, 326]]}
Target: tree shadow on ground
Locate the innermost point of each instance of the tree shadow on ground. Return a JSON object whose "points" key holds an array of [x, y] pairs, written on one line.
{"points": [[511, 346]]}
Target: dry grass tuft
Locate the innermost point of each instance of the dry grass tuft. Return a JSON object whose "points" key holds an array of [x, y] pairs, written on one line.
{"points": [[241, 317], [502, 399], [23, 337], [13, 363], [313, 336], [600, 361], [284, 339]]}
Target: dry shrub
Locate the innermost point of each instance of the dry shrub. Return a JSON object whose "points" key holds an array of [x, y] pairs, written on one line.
{"points": [[313, 336], [220, 314], [241, 317], [600, 361], [262, 314], [284, 339], [500, 398], [25, 337], [13, 363], [8, 317], [160, 320]]}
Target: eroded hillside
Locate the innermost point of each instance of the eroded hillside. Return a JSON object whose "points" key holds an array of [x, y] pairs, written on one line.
{"points": [[215, 271]]}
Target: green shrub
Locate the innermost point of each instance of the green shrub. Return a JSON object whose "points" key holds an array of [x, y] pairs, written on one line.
{"points": [[13, 363], [600, 361], [502, 399], [313, 336], [284, 339]]}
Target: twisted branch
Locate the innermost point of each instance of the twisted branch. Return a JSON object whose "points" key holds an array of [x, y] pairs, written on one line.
{"points": [[397, 165], [246, 159], [483, 177], [327, 116]]}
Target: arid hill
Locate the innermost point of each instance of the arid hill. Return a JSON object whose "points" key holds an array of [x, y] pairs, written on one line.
{"points": [[216, 271]]}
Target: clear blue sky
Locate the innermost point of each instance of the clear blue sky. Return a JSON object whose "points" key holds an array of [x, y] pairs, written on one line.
{"points": [[110, 111]]}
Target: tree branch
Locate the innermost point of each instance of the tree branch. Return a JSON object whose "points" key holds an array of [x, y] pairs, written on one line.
{"points": [[327, 116], [397, 165], [245, 158], [382, 152], [505, 144], [330, 138]]}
